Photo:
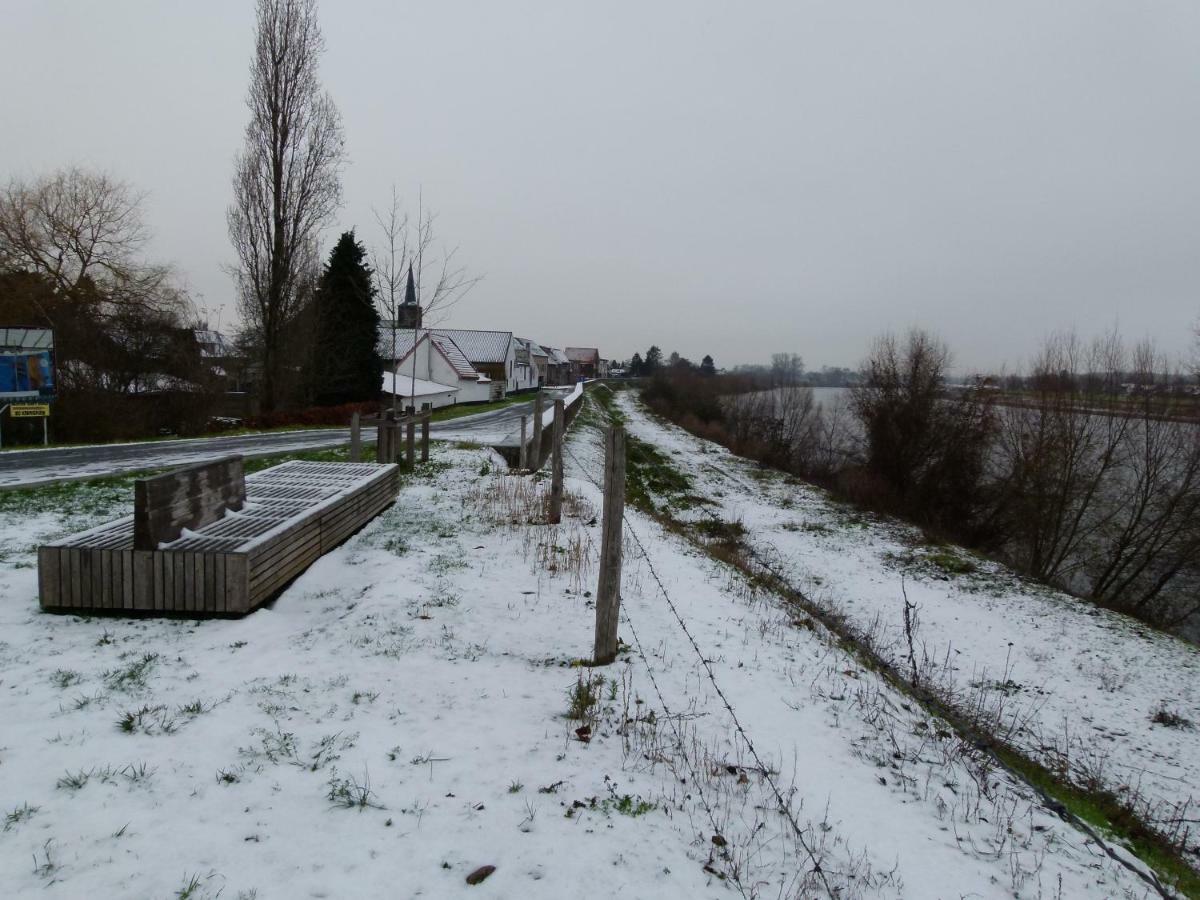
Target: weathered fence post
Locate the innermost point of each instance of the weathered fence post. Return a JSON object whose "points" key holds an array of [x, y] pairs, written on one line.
{"points": [[426, 413], [537, 432], [385, 438], [556, 468], [410, 441], [523, 460], [355, 438], [608, 591]]}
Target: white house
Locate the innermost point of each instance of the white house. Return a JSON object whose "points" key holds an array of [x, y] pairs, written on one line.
{"points": [[494, 353], [526, 376], [417, 392], [436, 358]]}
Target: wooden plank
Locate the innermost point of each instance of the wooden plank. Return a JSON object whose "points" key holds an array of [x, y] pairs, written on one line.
{"points": [[179, 605], [201, 587], [168, 580], [128, 579], [160, 578], [144, 582], [104, 569], [49, 577], [237, 583], [190, 497], [310, 548], [218, 582], [85, 577]]}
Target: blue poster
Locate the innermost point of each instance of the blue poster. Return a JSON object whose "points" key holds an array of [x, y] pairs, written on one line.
{"points": [[26, 374]]}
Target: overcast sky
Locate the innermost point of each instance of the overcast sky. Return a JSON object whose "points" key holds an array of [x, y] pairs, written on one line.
{"points": [[714, 177]]}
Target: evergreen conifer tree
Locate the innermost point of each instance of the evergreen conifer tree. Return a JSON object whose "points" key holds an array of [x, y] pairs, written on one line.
{"points": [[346, 367]]}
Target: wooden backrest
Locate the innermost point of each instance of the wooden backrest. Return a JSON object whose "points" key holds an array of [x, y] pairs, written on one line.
{"points": [[191, 497]]}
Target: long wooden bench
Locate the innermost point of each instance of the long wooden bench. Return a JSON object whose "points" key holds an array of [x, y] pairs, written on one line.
{"points": [[232, 559]]}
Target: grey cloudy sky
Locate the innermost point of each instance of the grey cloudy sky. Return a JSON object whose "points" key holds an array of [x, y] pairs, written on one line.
{"points": [[715, 177]]}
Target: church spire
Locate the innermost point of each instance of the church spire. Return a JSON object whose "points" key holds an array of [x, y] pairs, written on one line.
{"points": [[408, 315]]}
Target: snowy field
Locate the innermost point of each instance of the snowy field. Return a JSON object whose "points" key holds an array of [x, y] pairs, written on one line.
{"points": [[409, 710], [1093, 693]]}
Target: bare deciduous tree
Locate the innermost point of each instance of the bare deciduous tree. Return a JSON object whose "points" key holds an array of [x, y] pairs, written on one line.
{"points": [[76, 226], [287, 179], [438, 280], [1059, 450]]}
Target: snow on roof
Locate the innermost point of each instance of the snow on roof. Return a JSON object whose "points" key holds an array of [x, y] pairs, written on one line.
{"points": [[404, 343], [583, 354], [213, 343], [557, 357], [454, 353], [480, 346], [534, 348], [406, 384]]}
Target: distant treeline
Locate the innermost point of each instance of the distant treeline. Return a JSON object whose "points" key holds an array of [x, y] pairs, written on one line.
{"points": [[1086, 484], [784, 368]]}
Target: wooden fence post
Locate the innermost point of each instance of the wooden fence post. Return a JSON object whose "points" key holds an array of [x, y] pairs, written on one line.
{"points": [[556, 468], [537, 432], [410, 441], [523, 462], [385, 439], [426, 413], [355, 438], [608, 591]]}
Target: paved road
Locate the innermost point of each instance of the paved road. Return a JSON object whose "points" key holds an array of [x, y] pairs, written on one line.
{"points": [[26, 467]]}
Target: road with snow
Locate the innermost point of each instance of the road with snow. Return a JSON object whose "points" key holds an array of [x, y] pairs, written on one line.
{"points": [[30, 467]]}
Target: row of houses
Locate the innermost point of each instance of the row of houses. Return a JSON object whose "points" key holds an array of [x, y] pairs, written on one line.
{"points": [[444, 366]]}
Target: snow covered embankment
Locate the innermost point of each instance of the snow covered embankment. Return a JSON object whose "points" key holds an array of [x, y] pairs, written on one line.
{"points": [[408, 711], [1098, 696]]}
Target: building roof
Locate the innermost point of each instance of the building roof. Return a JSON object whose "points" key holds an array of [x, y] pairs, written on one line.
{"points": [[454, 354], [480, 346], [213, 343], [583, 354], [557, 357], [423, 388], [535, 349], [404, 344]]}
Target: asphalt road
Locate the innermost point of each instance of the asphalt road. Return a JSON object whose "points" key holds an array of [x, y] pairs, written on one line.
{"points": [[29, 467]]}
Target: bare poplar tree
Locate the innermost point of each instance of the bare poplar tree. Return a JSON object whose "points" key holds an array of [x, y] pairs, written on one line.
{"points": [[287, 179]]}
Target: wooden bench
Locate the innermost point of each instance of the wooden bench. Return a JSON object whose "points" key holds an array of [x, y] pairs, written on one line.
{"points": [[198, 546]]}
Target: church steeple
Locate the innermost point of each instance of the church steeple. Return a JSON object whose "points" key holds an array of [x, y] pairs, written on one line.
{"points": [[408, 315]]}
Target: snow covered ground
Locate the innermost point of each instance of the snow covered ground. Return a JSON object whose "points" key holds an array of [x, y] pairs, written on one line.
{"points": [[1084, 690], [398, 718]]}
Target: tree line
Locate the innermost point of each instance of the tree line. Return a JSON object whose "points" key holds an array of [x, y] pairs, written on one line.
{"points": [[129, 363], [1075, 479]]}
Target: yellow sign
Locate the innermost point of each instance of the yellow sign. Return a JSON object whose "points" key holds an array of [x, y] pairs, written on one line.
{"points": [[29, 410]]}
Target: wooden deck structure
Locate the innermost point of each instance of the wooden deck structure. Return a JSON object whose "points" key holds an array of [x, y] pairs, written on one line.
{"points": [[292, 514]]}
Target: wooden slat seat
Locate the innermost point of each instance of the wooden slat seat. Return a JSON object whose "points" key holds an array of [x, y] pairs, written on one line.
{"points": [[292, 514]]}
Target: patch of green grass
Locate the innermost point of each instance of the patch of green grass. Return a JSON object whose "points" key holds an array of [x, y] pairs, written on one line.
{"points": [[1103, 811], [951, 563], [583, 697], [22, 813], [471, 409], [64, 678], [133, 676], [651, 474], [628, 805], [720, 532]]}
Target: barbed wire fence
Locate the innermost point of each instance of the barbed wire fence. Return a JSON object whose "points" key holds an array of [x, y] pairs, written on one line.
{"points": [[783, 581], [706, 665]]}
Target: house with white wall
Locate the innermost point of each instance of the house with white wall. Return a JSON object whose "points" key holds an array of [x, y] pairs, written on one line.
{"points": [[437, 359]]}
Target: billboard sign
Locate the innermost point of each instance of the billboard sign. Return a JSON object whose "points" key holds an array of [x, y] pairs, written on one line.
{"points": [[26, 364]]}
